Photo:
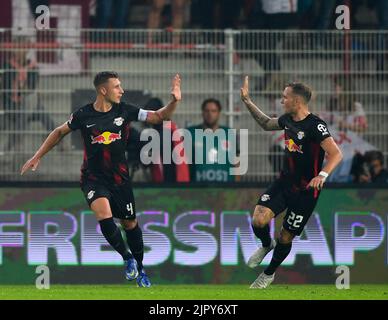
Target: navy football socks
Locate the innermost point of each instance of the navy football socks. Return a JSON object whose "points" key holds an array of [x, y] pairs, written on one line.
{"points": [[280, 253], [263, 235], [112, 234], [136, 245]]}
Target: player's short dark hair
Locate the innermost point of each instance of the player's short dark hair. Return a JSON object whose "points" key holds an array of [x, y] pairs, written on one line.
{"points": [[103, 76], [300, 89], [211, 100], [374, 155]]}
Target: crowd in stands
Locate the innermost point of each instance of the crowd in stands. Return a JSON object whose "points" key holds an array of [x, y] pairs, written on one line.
{"points": [[222, 14]]}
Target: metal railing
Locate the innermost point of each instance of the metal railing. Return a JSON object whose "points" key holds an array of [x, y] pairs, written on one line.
{"points": [[211, 64]]}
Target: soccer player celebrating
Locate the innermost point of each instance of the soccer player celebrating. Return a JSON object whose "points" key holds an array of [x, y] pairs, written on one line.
{"points": [[307, 139], [105, 181]]}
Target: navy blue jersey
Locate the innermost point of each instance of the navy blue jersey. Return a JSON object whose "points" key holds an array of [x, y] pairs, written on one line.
{"points": [[105, 136], [303, 156]]}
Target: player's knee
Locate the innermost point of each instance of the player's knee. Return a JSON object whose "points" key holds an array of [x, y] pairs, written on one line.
{"points": [[259, 220], [101, 215], [129, 224]]}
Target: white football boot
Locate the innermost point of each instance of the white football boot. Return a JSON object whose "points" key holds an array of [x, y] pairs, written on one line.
{"points": [[262, 281], [259, 254]]}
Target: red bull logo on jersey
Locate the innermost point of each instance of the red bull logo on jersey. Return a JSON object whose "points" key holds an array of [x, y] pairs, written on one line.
{"points": [[292, 146], [106, 137]]}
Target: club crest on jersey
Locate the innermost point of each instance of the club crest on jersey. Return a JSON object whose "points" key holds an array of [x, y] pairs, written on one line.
{"points": [[300, 135], [265, 197], [118, 121], [106, 137], [292, 146]]}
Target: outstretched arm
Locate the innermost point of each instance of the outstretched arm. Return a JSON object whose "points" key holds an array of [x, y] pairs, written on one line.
{"points": [[165, 113], [266, 122], [52, 140]]}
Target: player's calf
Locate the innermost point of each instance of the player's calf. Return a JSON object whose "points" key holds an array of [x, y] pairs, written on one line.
{"points": [[280, 253], [135, 242], [260, 224]]}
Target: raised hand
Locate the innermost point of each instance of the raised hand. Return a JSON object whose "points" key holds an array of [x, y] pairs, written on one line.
{"points": [[176, 88], [30, 164], [244, 91]]}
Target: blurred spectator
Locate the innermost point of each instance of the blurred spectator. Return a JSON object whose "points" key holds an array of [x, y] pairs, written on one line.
{"points": [[216, 14], [326, 12], [347, 121], [382, 12], [369, 168], [306, 14], [345, 111], [274, 14], [365, 12], [177, 13], [164, 172], [112, 13], [270, 14], [19, 82], [209, 170]]}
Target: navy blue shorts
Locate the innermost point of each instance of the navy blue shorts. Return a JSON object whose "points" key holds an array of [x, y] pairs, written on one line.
{"points": [[120, 197], [299, 204]]}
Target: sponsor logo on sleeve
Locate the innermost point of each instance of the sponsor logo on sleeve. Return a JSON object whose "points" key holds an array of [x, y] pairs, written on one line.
{"points": [[91, 194], [322, 128]]}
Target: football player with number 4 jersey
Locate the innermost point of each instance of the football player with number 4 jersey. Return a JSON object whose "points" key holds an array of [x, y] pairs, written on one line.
{"points": [[105, 182], [307, 139]]}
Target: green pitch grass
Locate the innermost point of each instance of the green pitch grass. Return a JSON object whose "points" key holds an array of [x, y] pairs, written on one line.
{"points": [[194, 292]]}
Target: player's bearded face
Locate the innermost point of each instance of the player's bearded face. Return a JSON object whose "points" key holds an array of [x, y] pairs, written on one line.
{"points": [[288, 101]]}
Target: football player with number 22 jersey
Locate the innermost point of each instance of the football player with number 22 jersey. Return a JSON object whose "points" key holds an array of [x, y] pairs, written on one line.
{"points": [[307, 140]]}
